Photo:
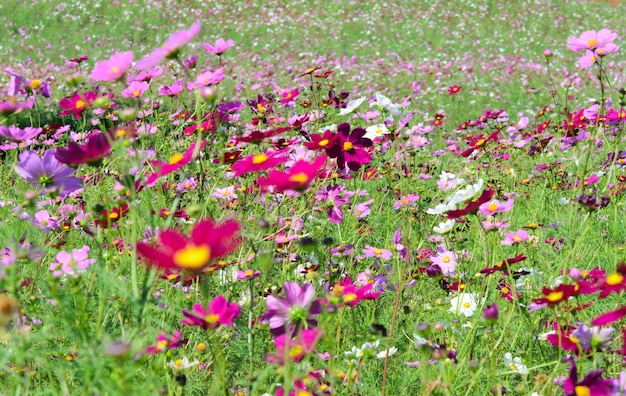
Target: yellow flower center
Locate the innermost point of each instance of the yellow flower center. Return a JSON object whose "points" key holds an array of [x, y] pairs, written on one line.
{"points": [[614, 279], [480, 142], [505, 290], [115, 69], [592, 43], [193, 257], [212, 318], [300, 178], [446, 259], [162, 344], [347, 146], [581, 390], [176, 158], [120, 133], [259, 159], [378, 251], [323, 143], [555, 296], [249, 272], [178, 363], [467, 304], [574, 339], [492, 207], [113, 215], [260, 109], [35, 84], [349, 297], [593, 59], [297, 350], [80, 104], [136, 92], [379, 131], [517, 239]]}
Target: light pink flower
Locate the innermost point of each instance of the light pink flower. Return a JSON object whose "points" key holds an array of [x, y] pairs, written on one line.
{"points": [[135, 89], [495, 206], [220, 46], [225, 193], [207, 78], [446, 260], [587, 60], [113, 68], [513, 238], [170, 49], [71, 264], [591, 40], [371, 251]]}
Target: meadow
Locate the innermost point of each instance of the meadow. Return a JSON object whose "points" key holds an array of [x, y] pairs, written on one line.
{"points": [[303, 198]]}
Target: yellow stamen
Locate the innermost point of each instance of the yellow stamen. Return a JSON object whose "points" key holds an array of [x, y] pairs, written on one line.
{"points": [[323, 143], [259, 159], [555, 296], [300, 178], [347, 146], [176, 158], [614, 279], [581, 390], [193, 257], [35, 84]]}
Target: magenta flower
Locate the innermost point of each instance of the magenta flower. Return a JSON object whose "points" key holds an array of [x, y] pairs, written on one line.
{"points": [[113, 68], [592, 384], [258, 162], [298, 178], [348, 293], [165, 342], [362, 210], [207, 78], [170, 49], [175, 162], [295, 311], [135, 89], [17, 134], [609, 317], [349, 148], [371, 251], [172, 90], [218, 312], [495, 206], [91, 153], [219, 48], [47, 172], [591, 40], [71, 263], [587, 60], [406, 200], [298, 347], [44, 221], [513, 238]]}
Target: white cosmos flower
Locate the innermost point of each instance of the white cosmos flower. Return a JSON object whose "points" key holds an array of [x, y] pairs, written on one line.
{"points": [[182, 364], [441, 209], [464, 304], [515, 364], [352, 105], [444, 227], [468, 193], [387, 104], [375, 131], [386, 352]]}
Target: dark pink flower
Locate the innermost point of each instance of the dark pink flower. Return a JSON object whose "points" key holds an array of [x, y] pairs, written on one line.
{"points": [[218, 312], [298, 178], [91, 153], [176, 162]]}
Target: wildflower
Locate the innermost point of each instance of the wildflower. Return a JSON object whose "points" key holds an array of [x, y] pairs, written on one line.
{"points": [[182, 364], [553, 297], [592, 384], [349, 149], [247, 274], [172, 90], [491, 313], [91, 153], [219, 48], [113, 68], [17, 134], [445, 227], [225, 193], [295, 311], [47, 172], [165, 342], [105, 218], [218, 312], [44, 221], [464, 304], [322, 142], [298, 178], [441, 208], [454, 89], [348, 293], [446, 260], [135, 89], [376, 131], [299, 346], [352, 105], [207, 78], [386, 352], [309, 71], [258, 162], [492, 207], [594, 338], [176, 162], [77, 103], [371, 251], [71, 263], [590, 40], [472, 207], [170, 49], [406, 200], [609, 317], [386, 103], [289, 96], [587, 60], [206, 243], [513, 238]]}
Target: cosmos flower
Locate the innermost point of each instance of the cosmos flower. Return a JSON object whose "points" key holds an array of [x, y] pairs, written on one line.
{"points": [[518, 236], [592, 384], [165, 342], [176, 162], [18, 134], [91, 153], [349, 149], [299, 346], [218, 312], [71, 263], [464, 304], [298, 178], [47, 172], [207, 242], [454, 89], [170, 49], [352, 105], [219, 48], [376, 131], [135, 89], [590, 40], [515, 364], [258, 162], [113, 68], [446, 260], [371, 251], [295, 311], [77, 103]]}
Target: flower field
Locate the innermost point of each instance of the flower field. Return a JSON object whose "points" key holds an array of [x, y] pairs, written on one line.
{"points": [[293, 198]]}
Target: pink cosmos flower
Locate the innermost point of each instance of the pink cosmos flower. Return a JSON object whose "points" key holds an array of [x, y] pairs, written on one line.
{"points": [[165, 342], [362, 210], [258, 162], [587, 60], [590, 40], [298, 178], [513, 238], [225, 193], [71, 263], [406, 200], [348, 293], [371, 251], [170, 49], [298, 347], [219, 48], [17, 134], [176, 162], [207, 78], [172, 90], [446, 260], [495, 206], [135, 89], [113, 68], [218, 312]]}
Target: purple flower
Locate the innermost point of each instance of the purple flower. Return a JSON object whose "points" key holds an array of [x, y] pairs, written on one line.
{"points": [[170, 49], [230, 107], [595, 337], [220, 46], [297, 310], [71, 264], [44, 221], [47, 173], [113, 68], [172, 90], [362, 209], [16, 134], [592, 384]]}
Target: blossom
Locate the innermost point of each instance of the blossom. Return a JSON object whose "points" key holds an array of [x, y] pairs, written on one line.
{"points": [[587, 60], [225, 193], [298, 178], [454, 89], [92, 152], [376, 131], [515, 364], [590, 40], [472, 207], [371, 251], [352, 105], [446, 260], [182, 364], [322, 142], [219, 311], [293, 312], [71, 263], [512, 238], [445, 227], [172, 90], [464, 304], [406, 200], [595, 338], [299, 346], [77, 103], [165, 342], [553, 297], [592, 384], [208, 241], [176, 162], [170, 49], [258, 162], [207, 78], [113, 68], [386, 103], [219, 48], [47, 172], [495, 206], [135, 89], [349, 149], [348, 293], [18, 134]]}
